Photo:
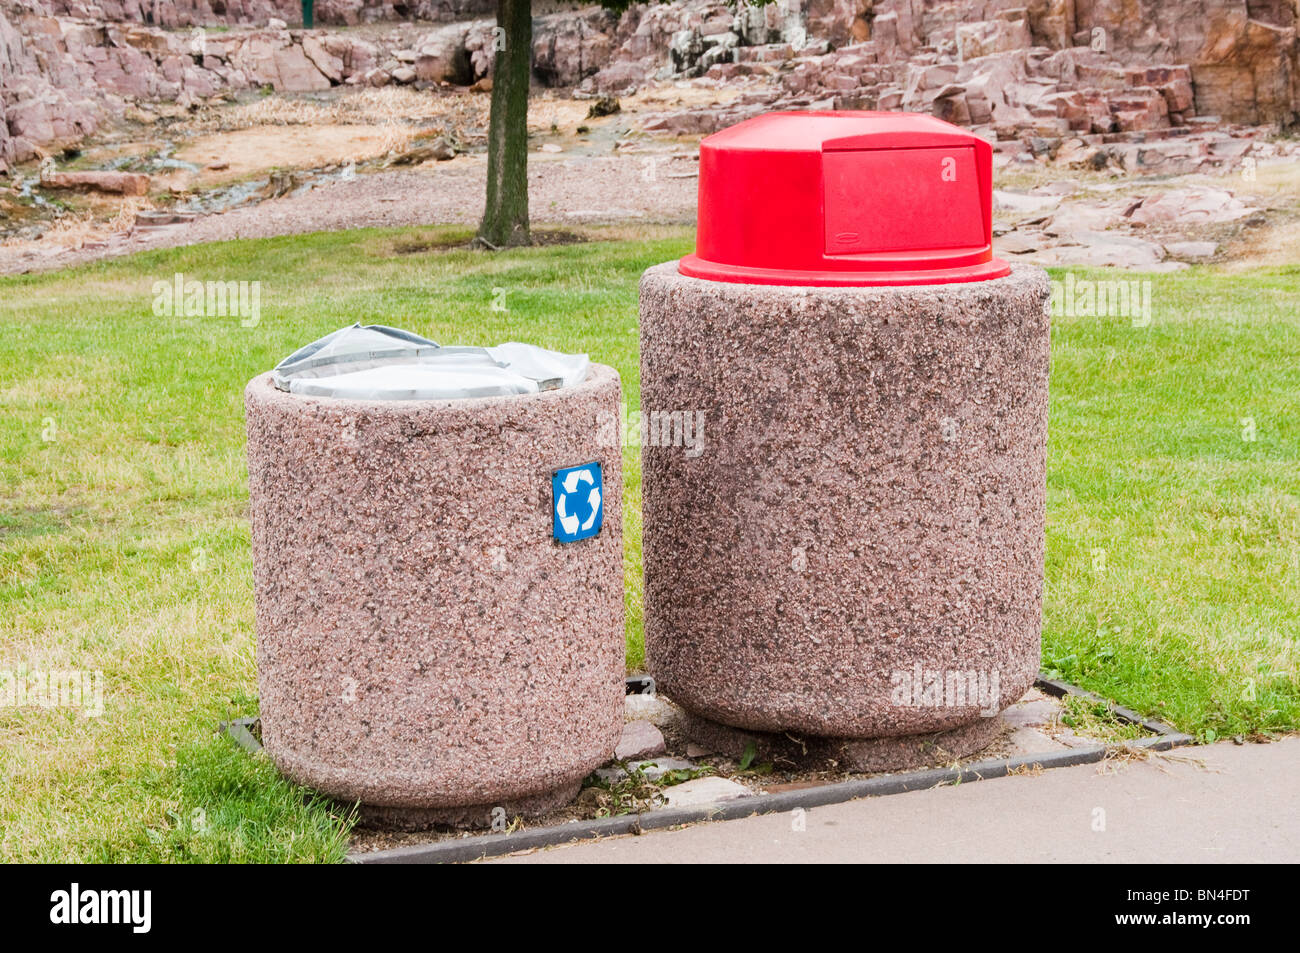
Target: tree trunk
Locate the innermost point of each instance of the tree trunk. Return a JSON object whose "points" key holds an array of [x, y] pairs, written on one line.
{"points": [[505, 217]]}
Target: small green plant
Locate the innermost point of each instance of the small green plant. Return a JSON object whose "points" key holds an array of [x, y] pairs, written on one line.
{"points": [[675, 776], [746, 759], [630, 793], [747, 765], [635, 790]]}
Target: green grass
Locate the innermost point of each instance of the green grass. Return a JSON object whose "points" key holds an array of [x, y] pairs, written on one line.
{"points": [[233, 808], [1173, 551], [124, 539]]}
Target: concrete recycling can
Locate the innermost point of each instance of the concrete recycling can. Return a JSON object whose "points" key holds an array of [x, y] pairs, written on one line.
{"points": [[846, 566], [437, 552]]}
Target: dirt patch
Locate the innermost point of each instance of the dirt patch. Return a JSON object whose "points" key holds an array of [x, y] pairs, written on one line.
{"points": [[1276, 240], [249, 152], [556, 236], [425, 244], [1273, 244], [421, 244], [35, 521]]}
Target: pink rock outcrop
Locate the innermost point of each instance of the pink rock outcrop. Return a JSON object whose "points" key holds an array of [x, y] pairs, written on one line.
{"points": [[1139, 69], [115, 183]]}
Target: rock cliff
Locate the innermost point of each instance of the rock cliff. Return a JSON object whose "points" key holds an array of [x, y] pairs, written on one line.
{"points": [[1021, 68]]}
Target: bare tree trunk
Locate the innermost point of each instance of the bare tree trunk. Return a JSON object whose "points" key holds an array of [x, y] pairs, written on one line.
{"points": [[505, 218]]}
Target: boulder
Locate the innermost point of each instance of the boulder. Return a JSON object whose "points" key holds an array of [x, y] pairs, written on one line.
{"points": [[568, 49], [619, 79], [1076, 154], [1139, 109], [357, 55], [1107, 248], [686, 48], [1191, 249], [992, 36], [1007, 201], [297, 72], [113, 183], [640, 739], [1189, 206], [441, 56], [328, 62], [256, 58], [440, 150], [1080, 220], [950, 105]]}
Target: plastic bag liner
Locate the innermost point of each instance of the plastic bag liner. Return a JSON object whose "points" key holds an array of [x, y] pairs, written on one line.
{"points": [[374, 362]]}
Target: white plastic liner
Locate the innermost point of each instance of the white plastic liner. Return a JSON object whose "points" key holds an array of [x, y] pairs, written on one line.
{"points": [[374, 362]]}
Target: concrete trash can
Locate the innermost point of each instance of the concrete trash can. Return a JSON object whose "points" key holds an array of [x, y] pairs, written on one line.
{"points": [[852, 569], [437, 551]]}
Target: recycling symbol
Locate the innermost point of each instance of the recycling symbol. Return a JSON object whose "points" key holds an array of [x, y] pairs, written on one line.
{"points": [[578, 502]]}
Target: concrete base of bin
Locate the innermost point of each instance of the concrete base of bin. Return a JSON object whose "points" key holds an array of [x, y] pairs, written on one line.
{"points": [[425, 647], [470, 817], [854, 550], [865, 755]]}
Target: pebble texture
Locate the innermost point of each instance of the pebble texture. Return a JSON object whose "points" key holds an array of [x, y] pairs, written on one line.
{"points": [[423, 642], [870, 499]]}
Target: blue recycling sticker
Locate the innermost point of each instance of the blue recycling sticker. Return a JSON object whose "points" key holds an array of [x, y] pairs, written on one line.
{"points": [[577, 503]]}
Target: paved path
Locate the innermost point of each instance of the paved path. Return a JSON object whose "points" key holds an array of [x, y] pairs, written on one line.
{"points": [[1219, 803]]}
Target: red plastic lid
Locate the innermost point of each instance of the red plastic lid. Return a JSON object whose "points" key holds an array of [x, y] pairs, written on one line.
{"points": [[845, 198]]}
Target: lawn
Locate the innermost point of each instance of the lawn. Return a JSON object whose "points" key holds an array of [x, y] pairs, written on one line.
{"points": [[1173, 567]]}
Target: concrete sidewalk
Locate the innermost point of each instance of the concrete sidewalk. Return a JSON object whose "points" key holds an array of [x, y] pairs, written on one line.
{"points": [[1214, 804]]}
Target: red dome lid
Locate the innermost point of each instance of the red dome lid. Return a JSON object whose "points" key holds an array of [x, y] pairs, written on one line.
{"points": [[845, 198]]}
